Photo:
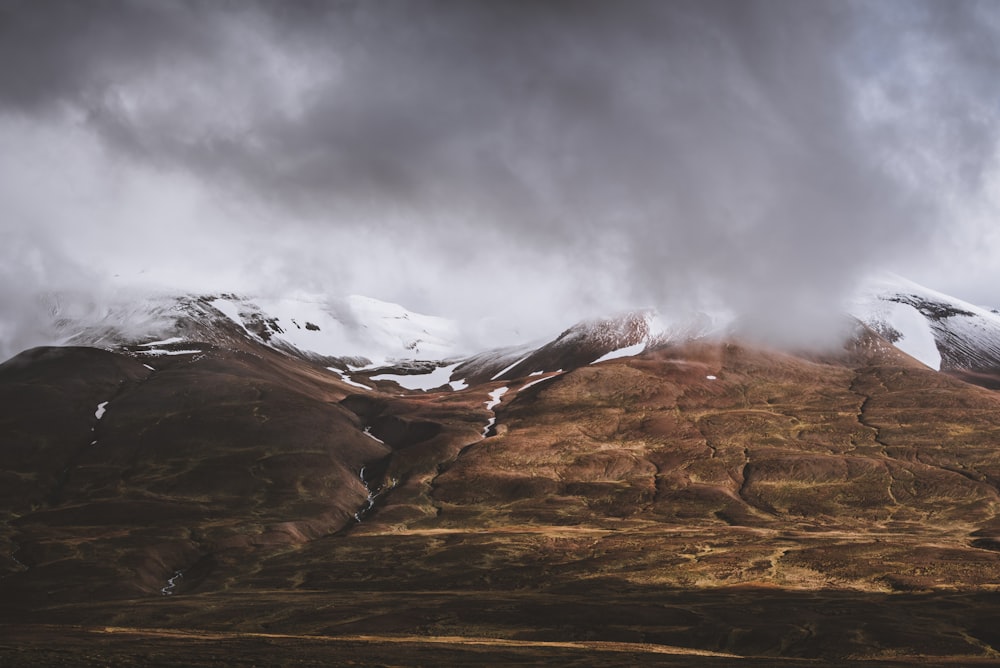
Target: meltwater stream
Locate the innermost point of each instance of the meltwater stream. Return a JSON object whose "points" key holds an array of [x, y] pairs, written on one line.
{"points": [[370, 501], [168, 589]]}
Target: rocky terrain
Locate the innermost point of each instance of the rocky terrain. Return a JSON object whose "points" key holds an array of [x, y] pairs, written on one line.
{"points": [[212, 491]]}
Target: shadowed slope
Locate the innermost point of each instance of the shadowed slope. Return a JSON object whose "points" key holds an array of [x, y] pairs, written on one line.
{"points": [[189, 460]]}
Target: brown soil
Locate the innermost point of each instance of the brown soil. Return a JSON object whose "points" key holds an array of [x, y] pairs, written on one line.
{"points": [[793, 510]]}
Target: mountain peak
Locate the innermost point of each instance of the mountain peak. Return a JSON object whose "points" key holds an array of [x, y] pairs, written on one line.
{"points": [[358, 333]]}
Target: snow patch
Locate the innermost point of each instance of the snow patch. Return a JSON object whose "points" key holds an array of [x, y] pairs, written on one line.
{"points": [[495, 398], [229, 309], [877, 306], [99, 413], [536, 382], [352, 327], [347, 379], [425, 381], [627, 351], [916, 336], [711, 378], [164, 342], [506, 369]]}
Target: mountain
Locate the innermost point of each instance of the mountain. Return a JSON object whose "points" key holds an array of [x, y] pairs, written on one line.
{"points": [[361, 333], [360, 329], [941, 331], [304, 481]]}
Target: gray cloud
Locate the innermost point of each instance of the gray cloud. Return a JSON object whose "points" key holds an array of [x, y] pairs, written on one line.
{"points": [[30, 271], [762, 154]]}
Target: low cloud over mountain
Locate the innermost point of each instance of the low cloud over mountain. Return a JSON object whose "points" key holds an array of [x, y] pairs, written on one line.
{"points": [[573, 158]]}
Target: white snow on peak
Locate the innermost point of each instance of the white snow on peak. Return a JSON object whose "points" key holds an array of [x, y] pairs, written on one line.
{"points": [[882, 305], [916, 337], [511, 366], [934, 328], [230, 309], [888, 284], [99, 413], [356, 326], [661, 328]]}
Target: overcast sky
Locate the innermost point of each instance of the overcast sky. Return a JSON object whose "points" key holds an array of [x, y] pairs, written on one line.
{"points": [[534, 161]]}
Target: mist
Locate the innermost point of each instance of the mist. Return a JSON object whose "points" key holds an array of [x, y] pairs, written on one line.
{"points": [[520, 163]]}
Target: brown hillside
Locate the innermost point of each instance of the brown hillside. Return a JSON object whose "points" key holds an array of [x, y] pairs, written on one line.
{"points": [[702, 498]]}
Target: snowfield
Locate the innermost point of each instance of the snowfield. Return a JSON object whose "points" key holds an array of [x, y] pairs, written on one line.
{"points": [[425, 381], [627, 351], [352, 327], [347, 379], [366, 334], [938, 330]]}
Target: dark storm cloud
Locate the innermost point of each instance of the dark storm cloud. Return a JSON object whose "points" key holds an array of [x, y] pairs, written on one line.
{"points": [[762, 153]]}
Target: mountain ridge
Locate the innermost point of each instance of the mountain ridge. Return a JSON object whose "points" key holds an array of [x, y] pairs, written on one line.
{"points": [[358, 335], [611, 485]]}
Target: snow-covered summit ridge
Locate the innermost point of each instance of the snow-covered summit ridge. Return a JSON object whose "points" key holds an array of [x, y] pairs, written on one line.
{"points": [[943, 332], [596, 340], [359, 331], [356, 327]]}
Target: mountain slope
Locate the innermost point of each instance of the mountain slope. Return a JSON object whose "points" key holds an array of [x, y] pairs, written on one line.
{"points": [[357, 329], [613, 495], [364, 336], [223, 480], [197, 455], [941, 331]]}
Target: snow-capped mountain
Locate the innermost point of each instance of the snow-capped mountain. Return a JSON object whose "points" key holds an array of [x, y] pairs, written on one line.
{"points": [[361, 338], [209, 449], [360, 331], [943, 332], [355, 327], [589, 342], [368, 341]]}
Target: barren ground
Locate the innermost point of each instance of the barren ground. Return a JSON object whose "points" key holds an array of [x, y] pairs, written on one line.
{"points": [[793, 510]]}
